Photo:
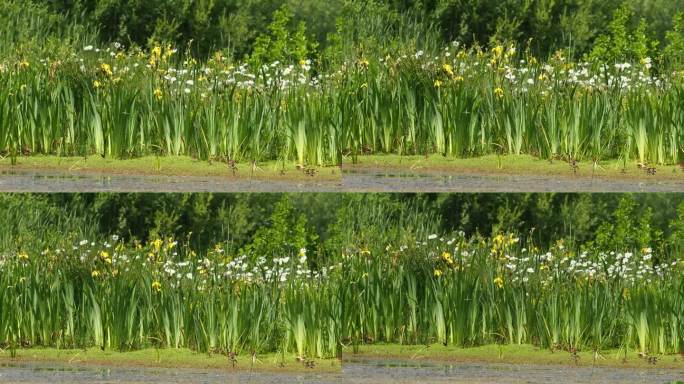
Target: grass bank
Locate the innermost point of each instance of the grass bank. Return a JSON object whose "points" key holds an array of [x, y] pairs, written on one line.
{"points": [[290, 171], [173, 358], [173, 166], [512, 354], [517, 165]]}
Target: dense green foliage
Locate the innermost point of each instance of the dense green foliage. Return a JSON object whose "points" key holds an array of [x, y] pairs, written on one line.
{"points": [[464, 291], [326, 223], [309, 273], [461, 102], [571, 79], [319, 84], [115, 295], [236, 25], [231, 26]]}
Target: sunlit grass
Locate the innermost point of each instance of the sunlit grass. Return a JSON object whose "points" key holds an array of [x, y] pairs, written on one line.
{"points": [[516, 165], [513, 354], [174, 166], [174, 358]]}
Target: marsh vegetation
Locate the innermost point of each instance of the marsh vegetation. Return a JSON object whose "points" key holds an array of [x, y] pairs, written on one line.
{"points": [[293, 96], [374, 270]]}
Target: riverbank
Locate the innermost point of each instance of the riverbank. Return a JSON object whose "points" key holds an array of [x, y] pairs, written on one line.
{"points": [[172, 358], [371, 174], [512, 354], [172, 166], [516, 165]]}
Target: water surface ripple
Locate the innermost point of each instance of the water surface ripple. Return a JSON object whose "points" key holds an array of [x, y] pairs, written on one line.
{"points": [[382, 372], [351, 181]]}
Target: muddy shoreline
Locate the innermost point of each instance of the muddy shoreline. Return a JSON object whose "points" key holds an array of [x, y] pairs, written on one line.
{"points": [[353, 371], [352, 180]]}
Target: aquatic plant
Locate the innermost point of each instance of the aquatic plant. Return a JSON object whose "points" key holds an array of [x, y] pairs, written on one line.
{"points": [[367, 284], [115, 102], [126, 296], [474, 291]]}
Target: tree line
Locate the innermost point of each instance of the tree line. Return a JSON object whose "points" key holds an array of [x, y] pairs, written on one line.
{"points": [[243, 28], [326, 223]]}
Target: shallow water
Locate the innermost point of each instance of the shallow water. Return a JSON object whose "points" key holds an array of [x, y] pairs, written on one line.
{"points": [[44, 181], [52, 373], [396, 372], [351, 181], [360, 371], [382, 181]]}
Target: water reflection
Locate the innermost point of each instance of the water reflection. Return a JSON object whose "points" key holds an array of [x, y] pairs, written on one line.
{"points": [[353, 180], [353, 371]]}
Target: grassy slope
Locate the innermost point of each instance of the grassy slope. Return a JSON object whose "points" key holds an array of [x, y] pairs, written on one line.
{"points": [[515, 165], [169, 166], [515, 354], [169, 358]]}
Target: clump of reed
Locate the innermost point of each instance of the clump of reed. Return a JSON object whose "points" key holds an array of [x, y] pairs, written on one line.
{"points": [[117, 295], [461, 102], [476, 291]]}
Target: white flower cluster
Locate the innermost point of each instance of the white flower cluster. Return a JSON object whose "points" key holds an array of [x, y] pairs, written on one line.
{"points": [[278, 269]]}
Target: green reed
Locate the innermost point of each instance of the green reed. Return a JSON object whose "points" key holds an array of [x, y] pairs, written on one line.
{"points": [[478, 291], [459, 103], [388, 281], [123, 296]]}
